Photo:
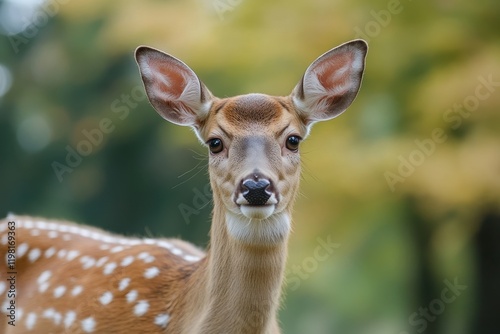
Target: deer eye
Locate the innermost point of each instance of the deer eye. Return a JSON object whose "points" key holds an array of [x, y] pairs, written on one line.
{"points": [[215, 145], [292, 143]]}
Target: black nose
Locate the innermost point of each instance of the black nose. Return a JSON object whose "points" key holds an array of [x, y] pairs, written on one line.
{"points": [[255, 192]]}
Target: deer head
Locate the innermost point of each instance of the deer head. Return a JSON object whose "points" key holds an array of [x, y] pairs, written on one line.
{"points": [[254, 139]]}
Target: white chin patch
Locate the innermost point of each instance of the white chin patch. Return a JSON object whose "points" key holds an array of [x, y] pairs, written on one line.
{"points": [[257, 212], [267, 231]]}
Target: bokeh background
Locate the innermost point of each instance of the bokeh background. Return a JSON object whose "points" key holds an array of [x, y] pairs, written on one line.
{"points": [[406, 183]]}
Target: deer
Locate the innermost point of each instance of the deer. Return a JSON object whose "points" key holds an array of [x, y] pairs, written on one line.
{"points": [[64, 277]]}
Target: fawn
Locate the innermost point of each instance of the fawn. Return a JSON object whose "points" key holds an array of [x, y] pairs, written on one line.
{"points": [[61, 277]]}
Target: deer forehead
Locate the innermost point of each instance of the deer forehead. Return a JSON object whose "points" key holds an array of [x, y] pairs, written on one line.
{"points": [[253, 114]]}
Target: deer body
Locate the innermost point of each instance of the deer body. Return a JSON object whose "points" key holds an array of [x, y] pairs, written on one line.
{"points": [[74, 279]]}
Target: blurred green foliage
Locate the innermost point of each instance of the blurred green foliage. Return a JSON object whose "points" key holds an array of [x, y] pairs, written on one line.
{"points": [[410, 209]]}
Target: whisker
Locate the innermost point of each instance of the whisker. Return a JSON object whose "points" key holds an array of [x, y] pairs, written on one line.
{"points": [[200, 168]]}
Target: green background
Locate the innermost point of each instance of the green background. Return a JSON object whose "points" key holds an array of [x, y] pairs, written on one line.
{"points": [[406, 182]]}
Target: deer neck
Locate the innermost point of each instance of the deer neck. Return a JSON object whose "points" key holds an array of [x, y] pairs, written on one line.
{"points": [[242, 281]]}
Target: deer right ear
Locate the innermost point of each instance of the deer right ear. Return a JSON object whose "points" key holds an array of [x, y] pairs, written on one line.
{"points": [[331, 82], [172, 87]]}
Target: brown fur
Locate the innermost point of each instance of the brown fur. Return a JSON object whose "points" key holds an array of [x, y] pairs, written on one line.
{"points": [[236, 286], [175, 272]]}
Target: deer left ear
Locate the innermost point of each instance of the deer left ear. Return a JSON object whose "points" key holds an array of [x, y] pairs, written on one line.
{"points": [[172, 87], [331, 82]]}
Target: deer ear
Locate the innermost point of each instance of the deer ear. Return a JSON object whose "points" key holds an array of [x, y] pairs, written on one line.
{"points": [[331, 82], [172, 87]]}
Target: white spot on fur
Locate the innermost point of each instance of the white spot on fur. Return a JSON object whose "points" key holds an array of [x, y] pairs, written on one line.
{"points": [[107, 238], [69, 318], [134, 242], [101, 261], [116, 249], [149, 241], [151, 272], [41, 225], [87, 262], [21, 250], [5, 239], [57, 317], [44, 277], [127, 261], [96, 236], [109, 268], [74, 230], [2, 288], [106, 298], [30, 320], [52, 226], [63, 228], [85, 233], [77, 290], [50, 313], [52, 234], [176, 251], [131, 296], [66, 237], [35, 232], [143, 255], [5, 305], [141, 308], [43, 287], [162, 320], [88, 325], [62, 253], [124, 284], [34, 254], [165, 244], [50, 252], [28, 224], [72, 254], [59, 291], [191, 258]]}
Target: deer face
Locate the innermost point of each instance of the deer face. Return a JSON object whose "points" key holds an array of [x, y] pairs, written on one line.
{"points": [[254, 159], [253, 139]]}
